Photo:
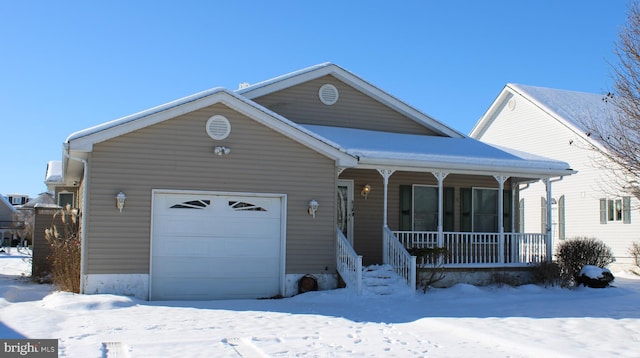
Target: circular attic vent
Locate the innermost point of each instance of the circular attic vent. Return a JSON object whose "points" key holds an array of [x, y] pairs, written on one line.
{"points": [[328, 94], [218, 127]]}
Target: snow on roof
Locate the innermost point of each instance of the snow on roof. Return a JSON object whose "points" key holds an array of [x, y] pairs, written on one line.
{"points": [[252, 87], [54, 171], [7, 203], [433, 151], [261, 88], [145, 113], [574, 107], [42, 200]]}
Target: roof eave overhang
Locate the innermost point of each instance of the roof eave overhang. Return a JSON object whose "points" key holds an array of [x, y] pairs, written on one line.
{"points": [[79, 144], [462, 168], [314, 72], [488, 117]]}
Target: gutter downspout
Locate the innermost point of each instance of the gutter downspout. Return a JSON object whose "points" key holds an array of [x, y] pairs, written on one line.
{"points": [[83, 220]]}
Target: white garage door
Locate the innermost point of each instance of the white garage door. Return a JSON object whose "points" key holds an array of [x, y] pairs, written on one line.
{"points": [[214, 246]]}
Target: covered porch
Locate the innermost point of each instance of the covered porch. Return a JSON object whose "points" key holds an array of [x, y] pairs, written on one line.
{"points": [[382, 213], [412, 191]]}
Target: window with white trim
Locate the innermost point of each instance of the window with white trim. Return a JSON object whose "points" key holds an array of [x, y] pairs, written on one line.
{"points": [[66, 198], [615, 210]]}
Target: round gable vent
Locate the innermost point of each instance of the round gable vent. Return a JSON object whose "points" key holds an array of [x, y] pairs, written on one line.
{"points": [[218, 127], [328, 94]]}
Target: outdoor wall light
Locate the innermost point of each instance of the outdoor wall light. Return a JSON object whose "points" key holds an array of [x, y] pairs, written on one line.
{"points": [[313, 207], [221, 150], [365, 191], [120, 198]]}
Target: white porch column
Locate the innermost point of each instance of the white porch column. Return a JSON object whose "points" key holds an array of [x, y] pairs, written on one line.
{"points": [[513, 206], [501, 179], [440, 177], [386, 173], [548, 236]]}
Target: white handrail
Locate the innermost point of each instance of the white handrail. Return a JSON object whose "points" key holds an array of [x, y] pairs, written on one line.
{"points": [[349, 263], [395, 254], [479, 249]]}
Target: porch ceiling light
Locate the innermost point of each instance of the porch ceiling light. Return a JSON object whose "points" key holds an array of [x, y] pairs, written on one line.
{"points": [[365, 191], [120, 198], [313, 207]]}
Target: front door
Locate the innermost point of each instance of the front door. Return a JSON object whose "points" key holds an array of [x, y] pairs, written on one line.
{"points": [[345, 208]]}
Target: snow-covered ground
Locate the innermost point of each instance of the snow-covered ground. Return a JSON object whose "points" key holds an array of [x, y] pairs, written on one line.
{"points": [[462, 321]]}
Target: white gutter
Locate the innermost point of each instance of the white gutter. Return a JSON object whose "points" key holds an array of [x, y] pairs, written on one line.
{"points": [[462, 168], [83, 211]]}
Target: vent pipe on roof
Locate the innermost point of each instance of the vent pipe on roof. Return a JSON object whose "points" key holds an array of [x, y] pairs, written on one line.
{"points": [[243, 85]]}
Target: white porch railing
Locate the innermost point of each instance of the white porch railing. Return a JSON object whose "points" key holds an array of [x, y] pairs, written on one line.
{"points": [[349, 263], [396, 255], [475, 249]]}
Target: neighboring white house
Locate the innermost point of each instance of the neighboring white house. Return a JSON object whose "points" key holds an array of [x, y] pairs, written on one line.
{"points": [[547, 122]]}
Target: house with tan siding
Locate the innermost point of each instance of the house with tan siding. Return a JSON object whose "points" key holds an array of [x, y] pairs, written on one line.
{"points": [[551, 122], [240, 193]]}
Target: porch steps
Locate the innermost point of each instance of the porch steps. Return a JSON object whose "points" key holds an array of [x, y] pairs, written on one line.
{"points": [[382, 280]]}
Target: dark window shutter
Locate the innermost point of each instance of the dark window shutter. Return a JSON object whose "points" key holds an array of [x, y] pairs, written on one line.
{"points": [[406, 203], [448, 208], [507, 210], [626, 210], [603, 211], [561, 221], [465, 209]]}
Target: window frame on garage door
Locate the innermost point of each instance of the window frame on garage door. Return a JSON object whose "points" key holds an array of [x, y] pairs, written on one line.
{"points": [[283, 224]]}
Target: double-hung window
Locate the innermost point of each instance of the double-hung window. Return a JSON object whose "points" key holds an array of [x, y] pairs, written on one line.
{"points": [[479, 209], [615, 210], [419, 208]]}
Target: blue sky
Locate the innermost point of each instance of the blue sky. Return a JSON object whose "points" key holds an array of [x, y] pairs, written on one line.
{"points": [[69, 65]]}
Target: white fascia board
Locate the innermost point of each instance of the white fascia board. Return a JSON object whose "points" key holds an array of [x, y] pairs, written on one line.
{"points": [[84, 140], [395, 103], [285, 81], [461, 168], [311, 73], [489, 116]]}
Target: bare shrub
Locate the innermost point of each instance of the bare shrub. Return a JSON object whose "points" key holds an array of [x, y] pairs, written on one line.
{"points": [[634, 251], [63, 237], [574, 254], [547, 274], [429, 265]]}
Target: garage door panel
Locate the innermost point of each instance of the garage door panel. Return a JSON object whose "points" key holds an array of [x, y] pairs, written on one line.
{"points": [[186, 226], [176, 289], [181, 246], [216, 246], [219, 267], [208, 246], [259, 226]]}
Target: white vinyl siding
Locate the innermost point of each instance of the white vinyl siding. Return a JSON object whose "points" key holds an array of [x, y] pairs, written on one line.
{"points": [[531, 129], [178, 154]]}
